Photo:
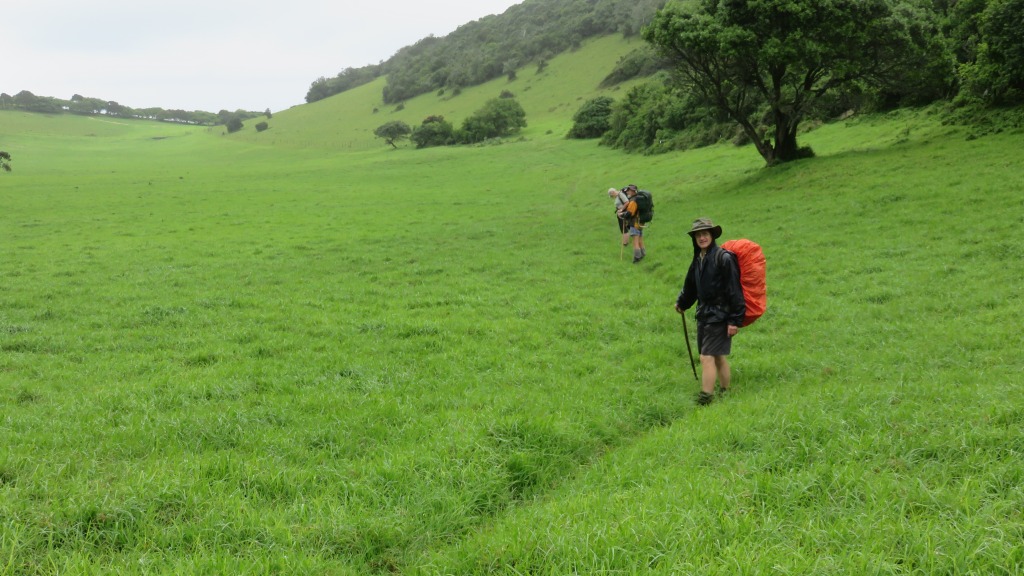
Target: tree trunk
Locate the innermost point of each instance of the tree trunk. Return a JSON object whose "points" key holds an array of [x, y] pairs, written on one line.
{"points": [[764, 147], [767, 152], [785, 148]]}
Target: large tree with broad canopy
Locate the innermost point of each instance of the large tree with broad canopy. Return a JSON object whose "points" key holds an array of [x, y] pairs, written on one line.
{"points": [[744, 56]]}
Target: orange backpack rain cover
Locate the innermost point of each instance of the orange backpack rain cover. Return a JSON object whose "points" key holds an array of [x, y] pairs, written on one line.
{"points": [[753, 277]]}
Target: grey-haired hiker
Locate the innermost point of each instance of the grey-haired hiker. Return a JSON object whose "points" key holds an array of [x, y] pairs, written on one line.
{"points": [[631, 213], [713, 281], [620, 202]]}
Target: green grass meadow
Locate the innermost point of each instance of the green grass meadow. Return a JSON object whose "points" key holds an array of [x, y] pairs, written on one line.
{"points": [[302, 352]]}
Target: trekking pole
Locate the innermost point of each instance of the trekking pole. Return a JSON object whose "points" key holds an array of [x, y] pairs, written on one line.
{"points": [[688, 349], [618, 237]]}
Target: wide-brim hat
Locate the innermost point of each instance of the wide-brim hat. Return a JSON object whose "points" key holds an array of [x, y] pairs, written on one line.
{"points": [[705, 224]]}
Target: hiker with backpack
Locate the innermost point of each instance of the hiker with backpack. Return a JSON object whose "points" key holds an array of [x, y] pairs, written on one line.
{"points": [[620, 202], [713, 282], [638, 212]]}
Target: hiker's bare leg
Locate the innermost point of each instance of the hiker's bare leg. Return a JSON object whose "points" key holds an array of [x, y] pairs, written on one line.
{"points": [[724, 374], [708, 373]]}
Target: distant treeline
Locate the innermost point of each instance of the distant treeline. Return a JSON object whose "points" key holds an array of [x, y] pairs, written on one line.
{"points": [[532, 32], [29, 102]]}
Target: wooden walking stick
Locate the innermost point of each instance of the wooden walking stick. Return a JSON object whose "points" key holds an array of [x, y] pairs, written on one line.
{"points": [[618, 238], [688, 349]]}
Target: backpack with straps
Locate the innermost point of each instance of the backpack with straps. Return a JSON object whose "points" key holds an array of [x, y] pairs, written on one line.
{"points": [[644, 206], [753, 277]]}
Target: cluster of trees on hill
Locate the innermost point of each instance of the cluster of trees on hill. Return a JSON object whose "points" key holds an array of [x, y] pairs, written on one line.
{"points": [[498, 118], [78, 104], [531, 32], [754, 71]]}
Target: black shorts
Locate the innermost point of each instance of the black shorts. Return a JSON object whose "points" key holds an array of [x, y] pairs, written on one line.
{"points": [[713, 339]]}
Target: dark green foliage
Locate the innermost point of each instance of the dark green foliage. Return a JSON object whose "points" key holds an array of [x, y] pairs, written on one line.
{"points": [[345, 80], [996, 74], [639, 63], [653, 118], [498, 118], [233, 120], [592, 119], [919, 72], [29, 102], [434, 131], [79, 104], [738, 56], [498, 45], [5, 161], [509, 69], [393, 131], [88, 106], [261, 126], [637, 118]]}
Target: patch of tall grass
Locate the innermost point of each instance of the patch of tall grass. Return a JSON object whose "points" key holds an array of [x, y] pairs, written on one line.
{"points": [[222, 356]]}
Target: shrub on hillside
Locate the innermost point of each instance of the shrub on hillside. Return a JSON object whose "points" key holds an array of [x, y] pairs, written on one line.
{"points": [[498, 118], [434, 131], [639, 63], [592, 119], [655, 118]]}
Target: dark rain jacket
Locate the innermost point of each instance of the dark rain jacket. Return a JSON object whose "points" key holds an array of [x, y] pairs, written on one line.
{"points": [[714, 283]]}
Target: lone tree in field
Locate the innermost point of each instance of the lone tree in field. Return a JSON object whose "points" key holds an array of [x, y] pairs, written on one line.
{"points": [[393, 132], [745, 57], [5, 161]]}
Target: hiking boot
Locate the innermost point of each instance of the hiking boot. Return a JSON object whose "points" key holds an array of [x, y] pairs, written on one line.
{"points": [[637, 259], [723, 391], [705, 398]]}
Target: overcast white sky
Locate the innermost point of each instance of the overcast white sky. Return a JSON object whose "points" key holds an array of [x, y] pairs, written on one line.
{"points": [[209, 54]]}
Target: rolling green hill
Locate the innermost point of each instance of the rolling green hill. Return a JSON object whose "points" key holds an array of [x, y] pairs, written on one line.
{"points": [[550, 98], [302, 352]]}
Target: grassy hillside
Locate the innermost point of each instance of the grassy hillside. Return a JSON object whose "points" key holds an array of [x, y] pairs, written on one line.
{"points": [[300, 352], [550, 98]]}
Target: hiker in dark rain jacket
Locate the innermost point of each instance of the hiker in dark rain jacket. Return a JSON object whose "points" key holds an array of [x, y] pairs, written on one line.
{"points": [[713, 282]]}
